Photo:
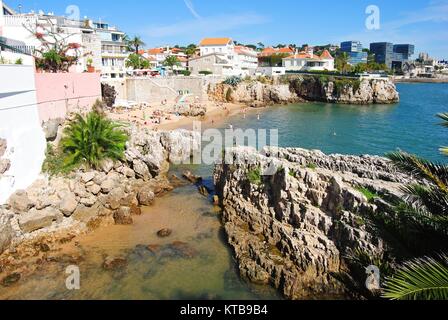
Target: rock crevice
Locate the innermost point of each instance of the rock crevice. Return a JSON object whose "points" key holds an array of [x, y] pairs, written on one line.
{"points": [[293, 228]]}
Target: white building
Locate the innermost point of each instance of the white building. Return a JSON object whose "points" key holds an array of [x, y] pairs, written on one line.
{"points": [[157, 57], [100, 45], [221, 57], [308, 61], [20, 127]]}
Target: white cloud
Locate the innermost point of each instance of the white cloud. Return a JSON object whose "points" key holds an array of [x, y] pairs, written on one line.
{"points": [[190, 7]]}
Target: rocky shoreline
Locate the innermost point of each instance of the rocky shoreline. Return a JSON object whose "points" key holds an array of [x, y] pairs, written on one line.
{"points": [[56, 209], [293, 229], [293, 89]]}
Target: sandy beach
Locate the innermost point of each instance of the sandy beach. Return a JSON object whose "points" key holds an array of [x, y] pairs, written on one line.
{"points": [[143, 116]]}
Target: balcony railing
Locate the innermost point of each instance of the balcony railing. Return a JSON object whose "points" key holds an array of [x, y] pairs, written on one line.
{"points": [[19, 20]]}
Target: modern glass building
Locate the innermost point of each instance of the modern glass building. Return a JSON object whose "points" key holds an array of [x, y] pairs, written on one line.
{"points": [[393, 56], [354, 50]]}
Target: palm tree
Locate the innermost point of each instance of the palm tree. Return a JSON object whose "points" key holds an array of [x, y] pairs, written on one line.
{"points": [[425, 212], [342, 62], [91, 140], [171, 62], [135, 44], [191, 50], [136, 62]]}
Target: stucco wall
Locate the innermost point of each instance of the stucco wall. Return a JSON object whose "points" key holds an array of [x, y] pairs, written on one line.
{"points": [[62, 93], [155, 90], [20, 126]]}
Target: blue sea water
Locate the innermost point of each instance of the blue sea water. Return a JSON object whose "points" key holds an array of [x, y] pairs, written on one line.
{"points": [[410, 125]]}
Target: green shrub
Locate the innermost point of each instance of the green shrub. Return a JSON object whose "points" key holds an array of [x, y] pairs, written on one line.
{"points": [[19, 61], [233, 81], [311, 166], [54, 162], [91, 140], [205, 72], [368, 193], [186, 73], [254, 176]]}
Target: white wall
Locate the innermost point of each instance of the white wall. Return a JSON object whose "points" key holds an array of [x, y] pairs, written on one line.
{"points": [[19, 125]]}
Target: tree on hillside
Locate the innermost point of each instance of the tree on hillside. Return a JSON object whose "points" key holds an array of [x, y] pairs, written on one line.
{"points": [[260, 46]]}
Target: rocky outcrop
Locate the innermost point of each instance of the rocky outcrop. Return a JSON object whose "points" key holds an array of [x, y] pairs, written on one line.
{"points": [[292, 228], [115, 191], [254, 94], [295, 88], [345, 90], [188, 110]]}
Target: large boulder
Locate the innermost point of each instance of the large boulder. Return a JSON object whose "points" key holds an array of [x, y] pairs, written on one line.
{"points": [[145, 196], [68, 204], [141, 170], [20, 202], [123, 216], [37, 219], [51, 128]]}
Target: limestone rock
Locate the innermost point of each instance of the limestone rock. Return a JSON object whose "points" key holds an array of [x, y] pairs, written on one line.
{"points": [[295, 228], [123, 216], [20, 202], [51, 128], [68, 204], [34, 220], [145, 196], [141, 170]]}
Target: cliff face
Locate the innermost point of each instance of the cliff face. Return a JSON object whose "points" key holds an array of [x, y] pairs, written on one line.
{"points": [[292, 229], [292, 89], [349, 91], [255, 94]]}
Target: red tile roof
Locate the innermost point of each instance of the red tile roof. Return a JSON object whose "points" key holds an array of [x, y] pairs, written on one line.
{"points": [[215, 41], [326, 55]]}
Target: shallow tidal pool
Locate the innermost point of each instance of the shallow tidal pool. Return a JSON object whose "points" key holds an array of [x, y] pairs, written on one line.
{"points": [[194, 262]]}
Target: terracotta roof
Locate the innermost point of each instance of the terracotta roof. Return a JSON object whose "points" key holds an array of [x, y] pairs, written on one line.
{"points": [[156, 51], [215, 41], [326, 55], [303, 55], [271, 51]]}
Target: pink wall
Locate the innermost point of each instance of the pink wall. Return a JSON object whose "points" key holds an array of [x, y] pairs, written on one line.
{"points": [[61, 93]]}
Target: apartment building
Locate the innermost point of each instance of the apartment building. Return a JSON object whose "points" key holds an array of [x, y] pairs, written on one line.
{"points": [[100, 45], [221, 56]]}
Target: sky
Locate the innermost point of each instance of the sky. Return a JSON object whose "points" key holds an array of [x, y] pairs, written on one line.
{"points": [[170, 22]]}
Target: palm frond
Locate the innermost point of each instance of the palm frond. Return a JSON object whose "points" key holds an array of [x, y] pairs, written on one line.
{"points": [[420, 279], [434, 172], [444, 117]]}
